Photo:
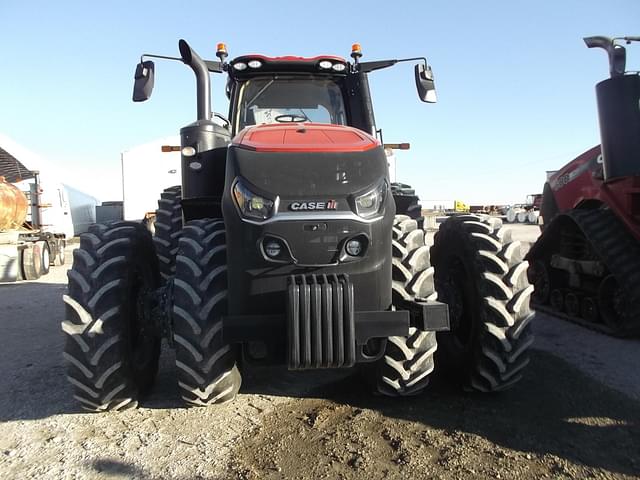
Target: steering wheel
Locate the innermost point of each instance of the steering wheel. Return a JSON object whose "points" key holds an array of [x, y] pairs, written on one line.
{"points": [[291, 118]]}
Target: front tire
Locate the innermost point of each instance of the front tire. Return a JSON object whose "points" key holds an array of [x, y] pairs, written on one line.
{"points": [[408, 363], [111, 353], [480, 274], [207, 372]]}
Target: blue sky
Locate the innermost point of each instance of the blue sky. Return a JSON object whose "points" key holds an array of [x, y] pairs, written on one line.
{"points": [[515, 81]]}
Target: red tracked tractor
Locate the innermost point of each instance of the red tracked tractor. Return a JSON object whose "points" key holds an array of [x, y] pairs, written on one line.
{"points": [[586, 264], [285, 245]]}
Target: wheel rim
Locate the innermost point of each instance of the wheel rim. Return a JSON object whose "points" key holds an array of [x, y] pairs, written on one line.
{"points": [[541, 282], [611, 302], [572, 304], [45, 258], [141, 338], [457, 292], [557, 300], [589, 309]]}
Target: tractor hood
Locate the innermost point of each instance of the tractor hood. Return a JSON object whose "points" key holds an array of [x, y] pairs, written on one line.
{"points": [[304, 137], [307, 161]]}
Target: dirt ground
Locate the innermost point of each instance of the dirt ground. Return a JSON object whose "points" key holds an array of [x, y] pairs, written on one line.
{"points": [[576, 414]]}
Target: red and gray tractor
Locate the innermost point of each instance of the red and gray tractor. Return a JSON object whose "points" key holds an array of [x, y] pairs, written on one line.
{"points": [[284, 246], [586, 264]]}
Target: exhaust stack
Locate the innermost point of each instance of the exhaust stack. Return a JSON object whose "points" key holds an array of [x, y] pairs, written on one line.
{"points": [[203, 83], [618, 113]]}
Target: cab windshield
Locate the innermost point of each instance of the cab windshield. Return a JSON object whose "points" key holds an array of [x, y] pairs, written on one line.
{"points": [[290, 100]]}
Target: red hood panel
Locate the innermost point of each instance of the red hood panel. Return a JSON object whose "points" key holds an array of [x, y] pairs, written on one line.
{"points": [[304, 137]]}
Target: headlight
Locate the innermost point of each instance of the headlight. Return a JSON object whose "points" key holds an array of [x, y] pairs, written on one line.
{"points": [[251, 205], [370, 203]]}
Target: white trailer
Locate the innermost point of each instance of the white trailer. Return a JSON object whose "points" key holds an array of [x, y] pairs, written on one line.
{"points": [[33, 232], [54, 190], [146, 172], [38, 214]]}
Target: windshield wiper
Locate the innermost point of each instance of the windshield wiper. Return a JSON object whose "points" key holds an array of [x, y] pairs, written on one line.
{"points": [[262, 90], [305, 115]]}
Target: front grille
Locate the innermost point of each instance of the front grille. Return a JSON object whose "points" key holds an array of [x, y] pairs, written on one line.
{"points": [[320, 322]]}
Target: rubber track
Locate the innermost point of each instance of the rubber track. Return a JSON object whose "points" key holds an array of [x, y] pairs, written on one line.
{"points": [[620, 252], [168, 227], [407, 364]]}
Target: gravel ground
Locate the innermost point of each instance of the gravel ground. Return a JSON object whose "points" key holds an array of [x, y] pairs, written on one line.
{"points": [[575, 415]]}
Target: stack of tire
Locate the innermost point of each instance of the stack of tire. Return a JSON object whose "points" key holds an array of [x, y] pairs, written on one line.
{"points": [[522, 215], [407, 202]]}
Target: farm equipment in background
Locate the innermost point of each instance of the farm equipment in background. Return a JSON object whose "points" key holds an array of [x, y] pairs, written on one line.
{"points": [[38, 213], [446, 207], [283, 245], [28, 244], [527, 212], [586, 264], [494, 210]]}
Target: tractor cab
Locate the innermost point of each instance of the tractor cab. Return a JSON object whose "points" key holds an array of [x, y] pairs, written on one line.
{"points": [[322, 89], [264, 90]]}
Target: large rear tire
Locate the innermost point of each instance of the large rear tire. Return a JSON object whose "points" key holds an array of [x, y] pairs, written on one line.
{"points": [[480, 274], [408, 361], [111, 351], [168, 226], [207, 372]]}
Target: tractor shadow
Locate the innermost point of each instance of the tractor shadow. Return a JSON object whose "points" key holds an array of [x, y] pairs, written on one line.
{"points": [[554, 410]]}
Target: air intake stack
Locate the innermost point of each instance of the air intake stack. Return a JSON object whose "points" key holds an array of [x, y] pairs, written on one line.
{"points": [[204, 143], [618, 111]]}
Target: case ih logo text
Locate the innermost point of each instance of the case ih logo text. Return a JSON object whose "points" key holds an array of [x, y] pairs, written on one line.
{"points": [[328, 205]]}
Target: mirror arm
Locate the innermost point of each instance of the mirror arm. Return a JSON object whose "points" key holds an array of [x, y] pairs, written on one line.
{"points": [[366, 67], [212, 65], [149, 55]]}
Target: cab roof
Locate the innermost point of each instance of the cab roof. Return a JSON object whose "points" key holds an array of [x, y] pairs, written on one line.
{"points": [[240, 67]]}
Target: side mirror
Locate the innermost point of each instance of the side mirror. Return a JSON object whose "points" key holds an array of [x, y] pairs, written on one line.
{"points": [[143, 84], [425, 84]]}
